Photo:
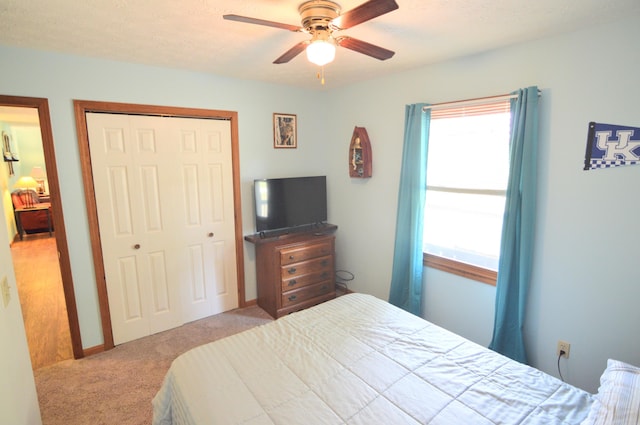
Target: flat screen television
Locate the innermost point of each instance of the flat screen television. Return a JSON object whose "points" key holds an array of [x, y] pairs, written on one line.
{"points": [[285, 203]]}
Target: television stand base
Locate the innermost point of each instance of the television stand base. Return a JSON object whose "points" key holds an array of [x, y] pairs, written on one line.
{"points": [[317, 229]]}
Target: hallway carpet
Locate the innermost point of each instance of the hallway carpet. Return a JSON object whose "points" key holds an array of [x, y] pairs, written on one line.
{"points": [[35, 260]]}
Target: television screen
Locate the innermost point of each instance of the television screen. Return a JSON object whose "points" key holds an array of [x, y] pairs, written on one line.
{"points": [[290, 202]]}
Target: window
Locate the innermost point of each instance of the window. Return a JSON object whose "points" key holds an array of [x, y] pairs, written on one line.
{"points": [[467, 175]]}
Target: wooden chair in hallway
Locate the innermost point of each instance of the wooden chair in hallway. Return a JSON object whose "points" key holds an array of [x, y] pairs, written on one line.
{"points": [[32, 215]]}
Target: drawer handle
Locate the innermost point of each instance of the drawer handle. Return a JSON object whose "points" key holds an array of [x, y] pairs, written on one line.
{"points": [[324, 287], [324, 275], [292, 282], [292, 270], [292, 298], [324, 262], [291, 257]]}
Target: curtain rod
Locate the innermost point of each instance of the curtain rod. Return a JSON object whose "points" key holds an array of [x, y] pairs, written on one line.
{"points": [[472, 101]]}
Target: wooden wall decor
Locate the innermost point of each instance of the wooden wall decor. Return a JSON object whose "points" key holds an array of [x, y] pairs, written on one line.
{"points": [[360, 154]]}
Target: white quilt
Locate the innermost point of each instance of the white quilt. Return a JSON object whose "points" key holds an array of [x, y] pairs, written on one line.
{"points": [[358, 360]]}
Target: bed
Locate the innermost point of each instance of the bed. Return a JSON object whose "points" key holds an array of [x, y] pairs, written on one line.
{"points": [[360, 360]]}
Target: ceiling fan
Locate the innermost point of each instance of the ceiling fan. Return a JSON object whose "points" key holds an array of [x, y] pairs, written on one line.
{"points": [[320, 19]]}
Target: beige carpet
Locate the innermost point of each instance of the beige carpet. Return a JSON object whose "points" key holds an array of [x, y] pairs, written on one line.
{"points": [[117, 386]]}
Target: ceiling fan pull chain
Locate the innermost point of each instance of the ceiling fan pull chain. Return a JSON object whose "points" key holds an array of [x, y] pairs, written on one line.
{"points": [[320, 75]]}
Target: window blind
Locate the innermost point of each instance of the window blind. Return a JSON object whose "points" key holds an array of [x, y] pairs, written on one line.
{"points": [[467, 110]]}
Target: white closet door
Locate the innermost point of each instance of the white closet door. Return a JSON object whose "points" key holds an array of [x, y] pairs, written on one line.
{"points": [[206, 216], [142, 197]]}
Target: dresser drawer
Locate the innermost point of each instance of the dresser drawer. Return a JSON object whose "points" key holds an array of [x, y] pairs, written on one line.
{"points": [[296, 282], [295, 270], [307, 292], [306, 267], [305, 252]]}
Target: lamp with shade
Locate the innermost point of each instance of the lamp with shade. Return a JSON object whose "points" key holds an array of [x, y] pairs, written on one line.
{"points": [[39, 175], [26, 183]]}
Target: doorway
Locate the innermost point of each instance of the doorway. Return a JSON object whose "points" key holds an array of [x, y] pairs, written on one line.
{"points": [[55, 248]]}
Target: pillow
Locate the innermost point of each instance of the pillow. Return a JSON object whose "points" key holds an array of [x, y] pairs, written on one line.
{"points": [[618, 398]]}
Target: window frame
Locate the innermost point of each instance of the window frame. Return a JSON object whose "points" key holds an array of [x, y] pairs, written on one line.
{"points": [[459, 268], [479, 106]]}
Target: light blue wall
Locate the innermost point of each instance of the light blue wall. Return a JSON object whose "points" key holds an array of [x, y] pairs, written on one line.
{"points": [[62, 78], [585, 286], [26, 143]]}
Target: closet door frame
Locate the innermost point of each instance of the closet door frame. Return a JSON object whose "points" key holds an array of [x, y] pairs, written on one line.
{"points": [[81, 107]]}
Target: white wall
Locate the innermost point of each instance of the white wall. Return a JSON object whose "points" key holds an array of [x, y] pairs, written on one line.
{"points": [[18, 398], [585, 286]]}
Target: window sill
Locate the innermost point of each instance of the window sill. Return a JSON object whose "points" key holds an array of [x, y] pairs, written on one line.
{"points": [[461, 269]]}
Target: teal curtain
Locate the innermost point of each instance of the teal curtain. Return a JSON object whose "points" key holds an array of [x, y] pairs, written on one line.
{"points": [[516, 250], [406, 278]]}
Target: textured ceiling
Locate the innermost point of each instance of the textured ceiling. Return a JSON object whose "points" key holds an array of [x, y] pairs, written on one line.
{"points": [[191, 34]]}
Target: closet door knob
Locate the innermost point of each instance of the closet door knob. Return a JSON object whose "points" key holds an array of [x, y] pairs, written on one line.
{"points": [[136, 246], [210, 234]]}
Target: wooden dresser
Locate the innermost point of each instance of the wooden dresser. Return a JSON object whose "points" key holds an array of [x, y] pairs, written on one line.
{"points": [[295, 271]]}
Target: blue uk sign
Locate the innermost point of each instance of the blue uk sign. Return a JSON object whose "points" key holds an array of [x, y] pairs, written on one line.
{"points": [[611, 145]]}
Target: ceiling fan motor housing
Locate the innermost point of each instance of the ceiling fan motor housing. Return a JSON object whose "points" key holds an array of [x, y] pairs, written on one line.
{"points": [[317, 14]]}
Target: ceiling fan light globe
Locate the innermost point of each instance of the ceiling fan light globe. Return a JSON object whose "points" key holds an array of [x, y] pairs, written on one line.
{"points": [[321, 52]]}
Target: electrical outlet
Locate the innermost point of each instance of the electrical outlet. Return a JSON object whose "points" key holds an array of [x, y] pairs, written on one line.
{"points": [[563, 346], [6, 293]]}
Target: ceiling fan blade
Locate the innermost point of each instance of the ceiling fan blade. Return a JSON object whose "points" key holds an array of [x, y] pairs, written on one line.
{"points": [[248, 20], [366, 11], [292, 52], [364, 48]]}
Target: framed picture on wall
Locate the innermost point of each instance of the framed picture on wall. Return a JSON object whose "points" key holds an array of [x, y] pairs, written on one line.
{"points": [[285, 131]]}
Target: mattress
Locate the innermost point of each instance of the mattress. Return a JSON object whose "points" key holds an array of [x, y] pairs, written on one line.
{"points": [[359, 360]]}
